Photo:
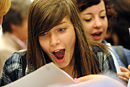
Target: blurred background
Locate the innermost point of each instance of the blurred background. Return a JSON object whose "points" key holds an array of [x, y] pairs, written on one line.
{"points": [[1, 29]]}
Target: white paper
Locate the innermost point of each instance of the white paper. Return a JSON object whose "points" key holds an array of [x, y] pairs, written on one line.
{"points": [[114, 58], [43, 77], [50, 75]]}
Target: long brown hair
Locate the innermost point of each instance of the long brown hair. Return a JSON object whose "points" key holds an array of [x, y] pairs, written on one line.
{"points": [[44, 15]]}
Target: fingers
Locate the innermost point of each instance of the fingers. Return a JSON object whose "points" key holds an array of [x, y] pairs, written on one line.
{"points": [[124, 69], [128, 67], [124, 76], [125, 79]]}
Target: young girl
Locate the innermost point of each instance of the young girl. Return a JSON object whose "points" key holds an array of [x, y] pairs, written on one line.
{"points": [[95, 16], [56, 34]]}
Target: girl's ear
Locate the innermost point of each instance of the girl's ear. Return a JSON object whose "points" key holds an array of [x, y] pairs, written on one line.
{"points": [[13, 26]]}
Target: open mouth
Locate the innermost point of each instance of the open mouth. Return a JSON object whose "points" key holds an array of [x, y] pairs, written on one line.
{"points": [[96, 34], [59, 54]]}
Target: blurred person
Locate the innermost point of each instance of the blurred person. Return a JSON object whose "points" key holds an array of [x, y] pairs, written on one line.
{"points": [[95, 15], [14, 28], [119, 33], [4, 7]]}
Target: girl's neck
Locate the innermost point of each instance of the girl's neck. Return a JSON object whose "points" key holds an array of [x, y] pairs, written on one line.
{"points": [[70, 69]]}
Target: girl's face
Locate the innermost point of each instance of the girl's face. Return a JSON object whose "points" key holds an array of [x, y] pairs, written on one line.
{"points": [[95, 21], [59, 43]]}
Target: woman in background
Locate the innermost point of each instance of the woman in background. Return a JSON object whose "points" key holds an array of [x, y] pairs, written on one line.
{"points": [[95, 15]]}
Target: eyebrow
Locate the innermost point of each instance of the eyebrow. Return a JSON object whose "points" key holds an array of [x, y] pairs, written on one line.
{"points": [[91, 13], [102, 10], [62, 22]]}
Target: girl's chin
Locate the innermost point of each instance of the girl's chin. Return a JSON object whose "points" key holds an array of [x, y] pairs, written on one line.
{"points": [[98, 41], [61, 66]]}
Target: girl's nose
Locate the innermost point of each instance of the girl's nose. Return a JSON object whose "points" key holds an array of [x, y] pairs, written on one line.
{"points": [[54, 41], [97, 23]]}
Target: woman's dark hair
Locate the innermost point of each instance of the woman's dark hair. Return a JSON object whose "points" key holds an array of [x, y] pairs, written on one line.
{"points": [[121, 25]]}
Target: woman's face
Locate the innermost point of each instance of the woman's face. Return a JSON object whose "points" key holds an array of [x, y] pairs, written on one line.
{"points": [[59, 43], [95, 21]]}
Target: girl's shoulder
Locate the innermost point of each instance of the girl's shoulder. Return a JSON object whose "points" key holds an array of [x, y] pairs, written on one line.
{"points": [[12, 69], [14, 62], [105, 59], [16, 57]]}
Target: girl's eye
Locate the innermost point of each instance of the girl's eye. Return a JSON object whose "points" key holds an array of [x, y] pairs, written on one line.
{"points": [[103, 17], [62, 29], [43, 34], [87, 20]]}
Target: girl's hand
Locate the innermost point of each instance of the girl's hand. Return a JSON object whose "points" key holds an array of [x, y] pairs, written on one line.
{"points": [[124, 74]]}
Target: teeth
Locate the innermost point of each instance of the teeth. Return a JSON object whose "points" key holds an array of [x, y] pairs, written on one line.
{"points": [[97, 33], [57, 50]]}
